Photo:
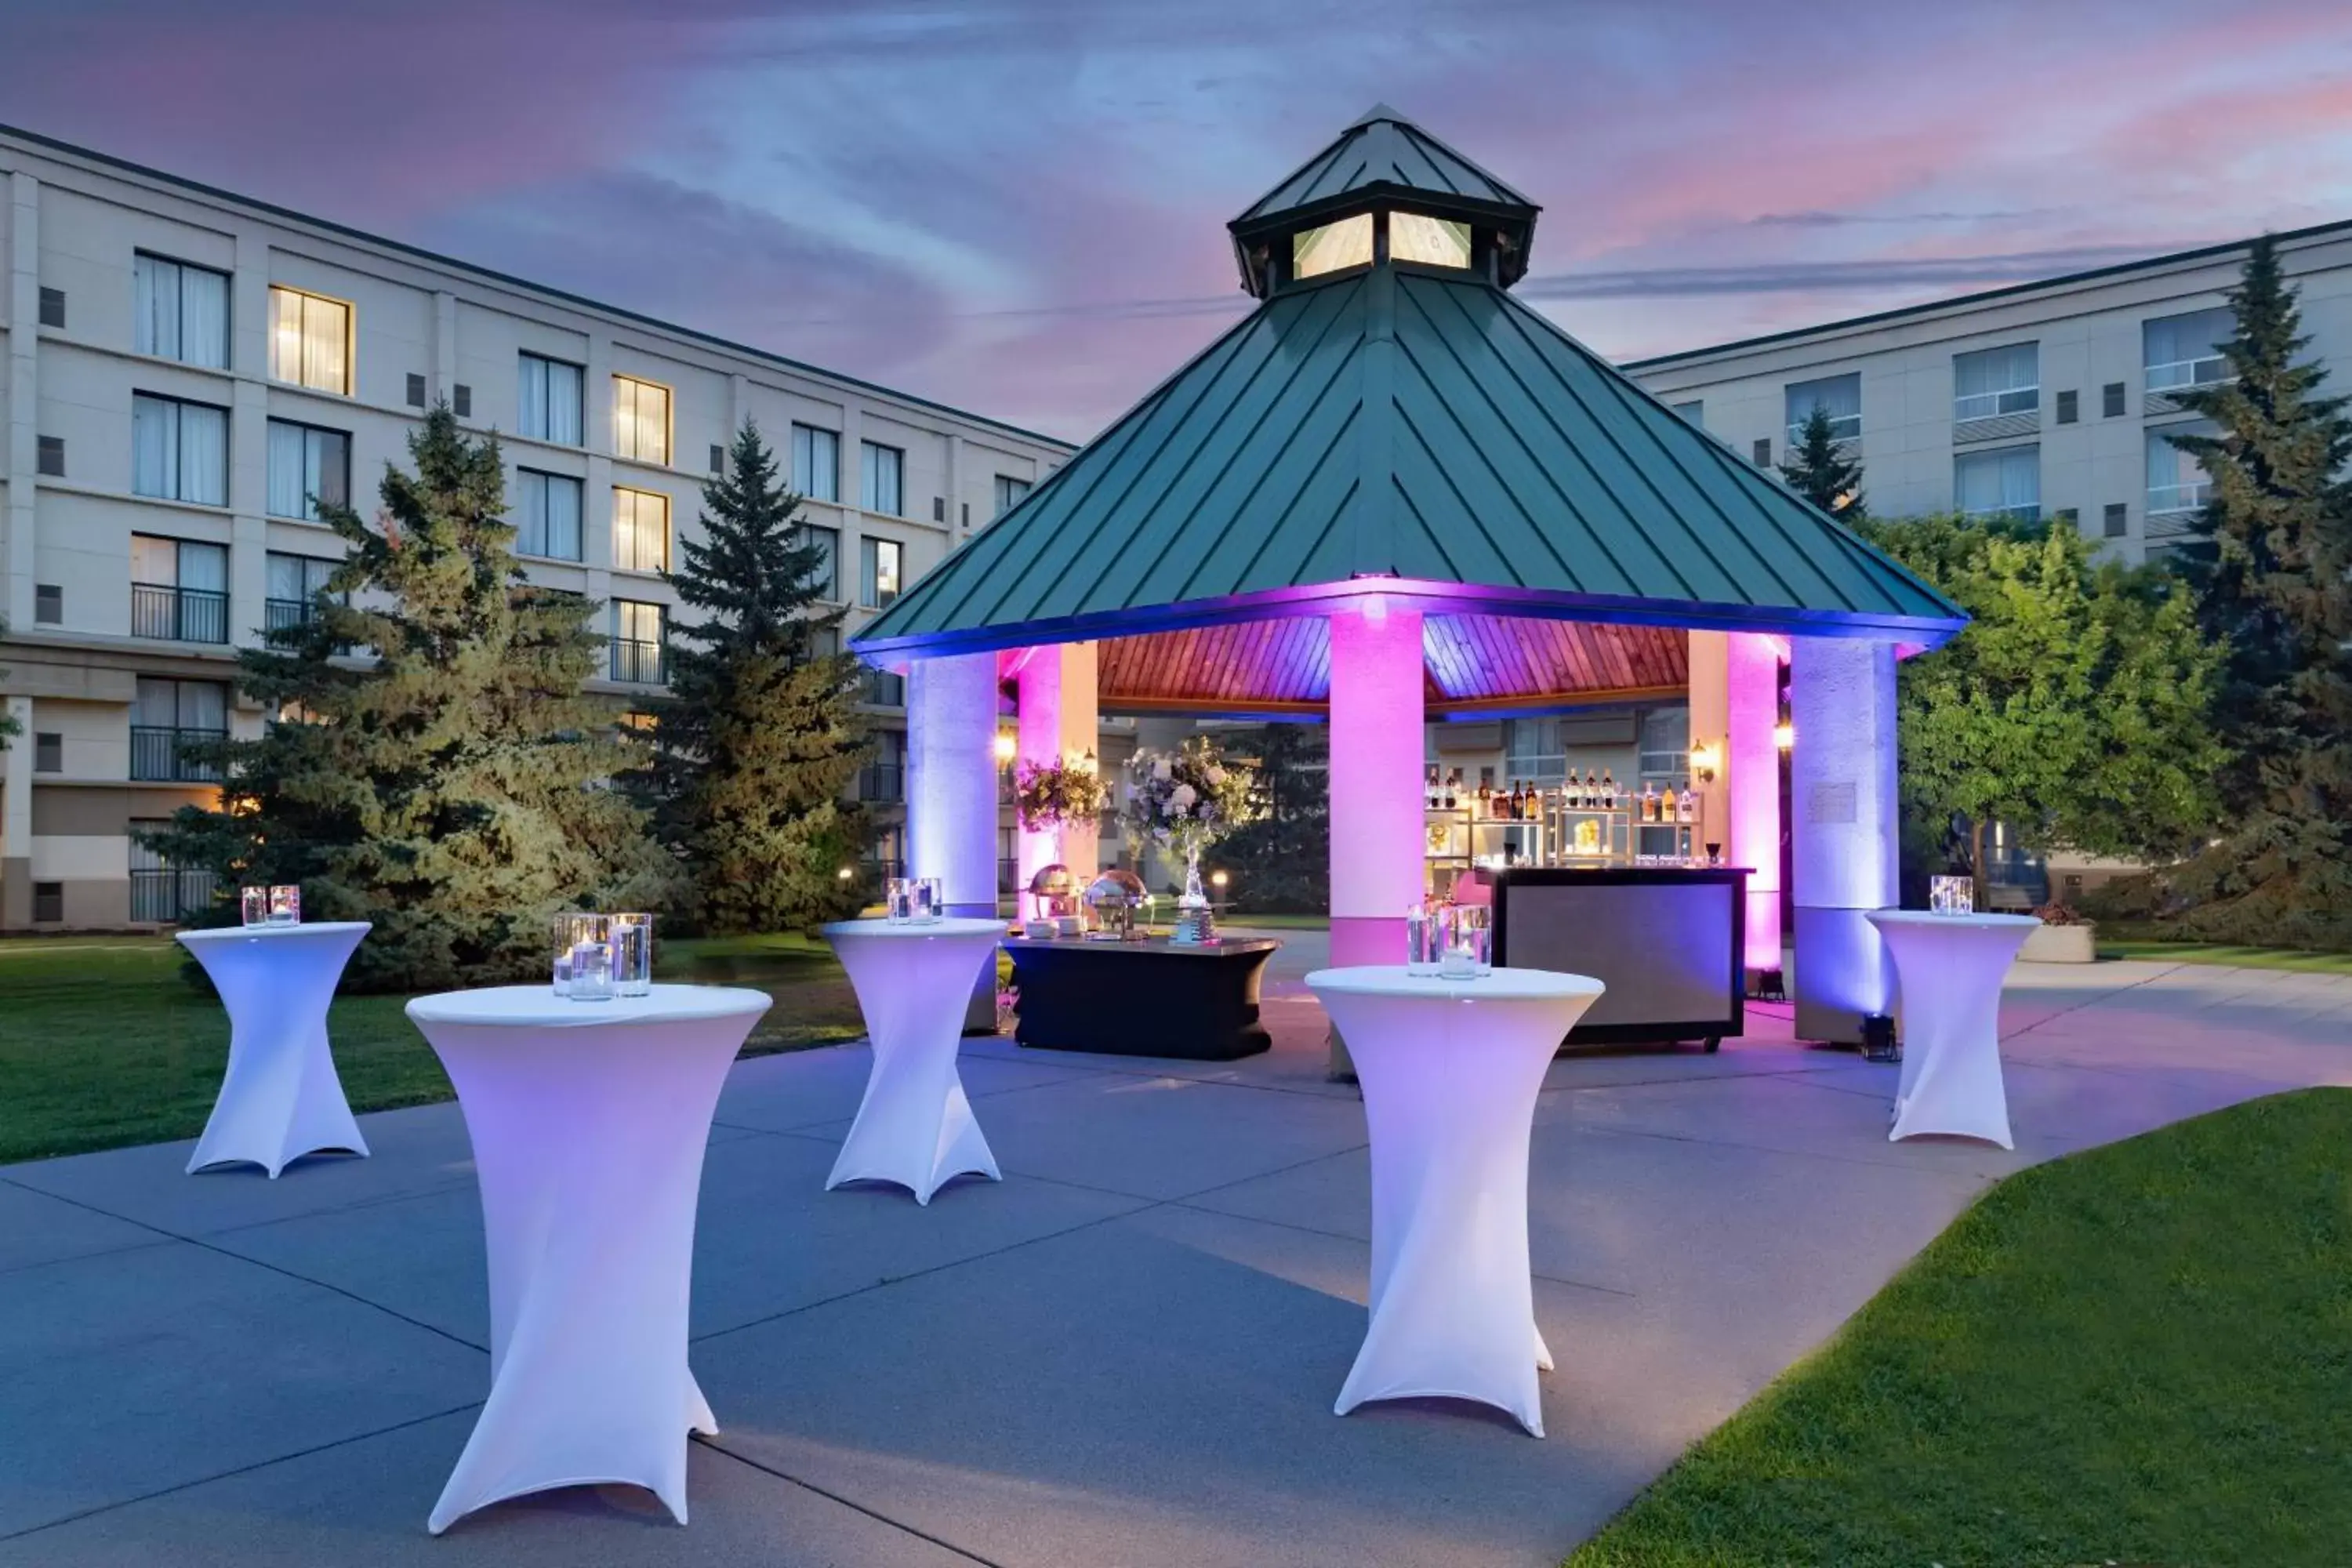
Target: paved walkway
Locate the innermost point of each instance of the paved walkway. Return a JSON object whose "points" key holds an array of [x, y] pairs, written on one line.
{"points": [[1124, 1354]]}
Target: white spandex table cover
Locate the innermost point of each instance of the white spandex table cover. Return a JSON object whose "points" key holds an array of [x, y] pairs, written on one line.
{"points": [[588, 1120], [280, 1099], [914, 983], [1450, 1071], [1947, 974]]}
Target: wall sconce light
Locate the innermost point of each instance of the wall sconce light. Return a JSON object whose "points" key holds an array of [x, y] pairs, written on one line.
{"points": [[1784, 735], [1006, 747], [1703, 762]]}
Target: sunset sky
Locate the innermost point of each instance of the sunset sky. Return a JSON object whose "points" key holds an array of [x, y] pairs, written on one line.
{"points": [[1018, 205]]}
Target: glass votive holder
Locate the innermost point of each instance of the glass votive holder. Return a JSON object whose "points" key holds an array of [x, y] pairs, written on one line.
{"points": [[284, 905], [1473, 932], [253, 904], [573, 930], [591, 971], [632, 939], [925, 903], [1422, 941], [898, 901], [1951, 895]]}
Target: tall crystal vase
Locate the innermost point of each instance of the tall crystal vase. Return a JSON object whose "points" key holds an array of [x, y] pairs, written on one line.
{"points": [[1193, 899]]}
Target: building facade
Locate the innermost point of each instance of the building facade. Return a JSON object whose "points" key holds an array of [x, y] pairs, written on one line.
{"points": [[2045, 399], [189, 374]]}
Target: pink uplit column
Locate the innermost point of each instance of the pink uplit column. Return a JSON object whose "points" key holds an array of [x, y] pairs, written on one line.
{"points": [[1752, 766], [1057, 703], [1376, 777]]}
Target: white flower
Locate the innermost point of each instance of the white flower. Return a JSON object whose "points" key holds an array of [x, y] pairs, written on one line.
{"points": [[1182, 797], [1163, 769], [1216, 775]]}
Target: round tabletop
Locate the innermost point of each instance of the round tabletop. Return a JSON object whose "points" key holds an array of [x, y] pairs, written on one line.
{"points": [[1929, 919], [903, 930], [1497, 985], [276, 933], [538, 1007]]}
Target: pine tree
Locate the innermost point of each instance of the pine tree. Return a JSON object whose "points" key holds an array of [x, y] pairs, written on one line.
{"points": [[2271, 560], [454, 787], [1818, 470], [757, 743]]}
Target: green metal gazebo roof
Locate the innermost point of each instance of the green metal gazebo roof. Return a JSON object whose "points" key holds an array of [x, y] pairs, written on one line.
{"points": [[1417, 426]]}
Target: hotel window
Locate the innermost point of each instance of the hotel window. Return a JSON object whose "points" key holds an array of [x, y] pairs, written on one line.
{"points": [[548, 516], [1993, 382], [1332, 248], [2176, 486], [547, 405], [179, 311], [636, 642], [169, 714], [295, 582], [640, 531], [1534, 752], [1840, 396], [882, 559], [816, 463], [179, 451], [640, 420], [1432, 241], [2005, 482], [2185, 351], [826, 580], [309, 468], [310, 340], [1010, 493], [178, 590], [883, 471]]}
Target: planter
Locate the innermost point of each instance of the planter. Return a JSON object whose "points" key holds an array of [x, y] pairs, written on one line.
{"points": [[2060, 944]]}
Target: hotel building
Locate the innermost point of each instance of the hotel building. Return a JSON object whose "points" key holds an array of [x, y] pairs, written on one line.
{"points": [[188, 373]]}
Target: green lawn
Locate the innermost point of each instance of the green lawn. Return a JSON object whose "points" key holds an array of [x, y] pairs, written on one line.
{"points": [[103, 1044], [2141, 1354], [2307, 962]]}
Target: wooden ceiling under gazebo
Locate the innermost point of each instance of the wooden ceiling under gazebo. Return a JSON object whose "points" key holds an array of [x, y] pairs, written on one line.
{"points": [[1473, 665]]}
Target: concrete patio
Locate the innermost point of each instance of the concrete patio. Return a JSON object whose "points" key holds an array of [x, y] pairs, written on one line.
{"points": [[1124, 1354]]}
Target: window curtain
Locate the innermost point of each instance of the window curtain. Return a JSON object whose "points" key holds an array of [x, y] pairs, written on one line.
{"points": [[826, 580], [203, 705], [530, 411], [563, 518], [204, 454], [1841, 395], [286, 576], [158, 704], [154, 446], [289, 472], [563, 403], [326, 330], [204, 566], [203, 318], [883, 469], [2173, 339], [2003, 481], [327, 468], [640, 531], [156, 305], [154, 562], [816, 463]]}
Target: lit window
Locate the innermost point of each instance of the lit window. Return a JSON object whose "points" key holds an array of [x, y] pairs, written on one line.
{"points": [[640, 531], [1432, 241], [882, 562], [884, 471], [640, 420], [179, 311], [1997, 381], [636, 642], [2005, 482], [1348, 243], [548, 519], [1839, 396], [1010, 492], [824, 579], [548, 401], [816, 463], [309, 468], [310, 340], [2186, 350], [179, 451]]}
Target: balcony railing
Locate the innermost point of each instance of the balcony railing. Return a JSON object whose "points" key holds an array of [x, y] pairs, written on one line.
{"points": [[156, 755], [164, 895], [1992, 404], [178, 614], [2170, 500], [284, 615], [2205, 370], [636, 662], [882, 781]]}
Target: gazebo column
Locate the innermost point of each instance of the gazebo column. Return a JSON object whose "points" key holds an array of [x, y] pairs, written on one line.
{"points": [[1841, 790], [1056, 686], [1376, 796], [1752, 785], [951, 793]]}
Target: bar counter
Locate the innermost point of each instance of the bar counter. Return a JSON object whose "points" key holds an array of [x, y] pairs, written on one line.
{"points": [[1666, 941]]}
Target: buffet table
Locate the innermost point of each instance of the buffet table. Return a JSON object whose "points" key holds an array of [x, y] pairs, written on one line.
{"points": [[1666, 941], [280, 1099], [1151, 997]]}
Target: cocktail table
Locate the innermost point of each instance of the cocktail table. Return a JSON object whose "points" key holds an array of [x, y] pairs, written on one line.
{"points": [[1947, 972], [280, 1099]]}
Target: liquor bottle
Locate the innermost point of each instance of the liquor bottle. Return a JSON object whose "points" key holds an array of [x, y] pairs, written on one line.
{"points": [[1608, 788], [1451, 780], [1519, 812], [1667, 804], [1434, 791], [1591, 791], [1649, 803], [1571, 793], [1689, 804]]}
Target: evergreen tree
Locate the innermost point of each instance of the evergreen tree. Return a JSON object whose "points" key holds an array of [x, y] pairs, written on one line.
{"points": [[454, 787], [757, 743], [1281, 858], [8, 725], [1817, 469], [2271, 558]]}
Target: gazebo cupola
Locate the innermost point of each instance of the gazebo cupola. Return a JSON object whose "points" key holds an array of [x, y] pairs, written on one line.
{"points": [[1385, 191]]}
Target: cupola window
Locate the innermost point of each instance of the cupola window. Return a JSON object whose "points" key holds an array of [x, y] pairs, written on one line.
{"points": [[1335, 245], [1432, 241]]}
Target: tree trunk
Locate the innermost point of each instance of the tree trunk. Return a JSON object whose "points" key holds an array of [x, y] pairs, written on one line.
{"points": [[1983, 894]]}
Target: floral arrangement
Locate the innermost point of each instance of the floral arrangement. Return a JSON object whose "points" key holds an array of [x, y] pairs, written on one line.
{"points": [[1186, 799], [1068, 791], [2058, 913]]}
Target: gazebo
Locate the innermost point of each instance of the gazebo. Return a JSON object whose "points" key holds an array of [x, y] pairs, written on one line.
{"points": [[1393, 496]]}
